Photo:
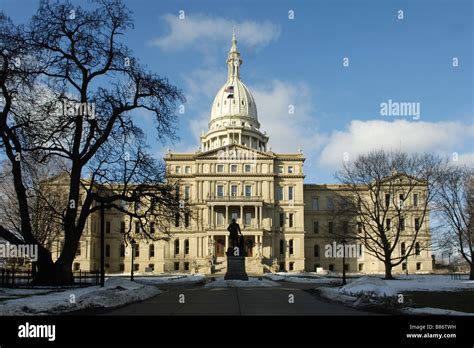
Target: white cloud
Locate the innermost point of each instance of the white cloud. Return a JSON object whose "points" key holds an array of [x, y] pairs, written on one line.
{"points": [[199, 29], [364, 136]]}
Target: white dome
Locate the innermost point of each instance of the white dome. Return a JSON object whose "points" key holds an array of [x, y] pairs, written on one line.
{"points": [[234, 99]]}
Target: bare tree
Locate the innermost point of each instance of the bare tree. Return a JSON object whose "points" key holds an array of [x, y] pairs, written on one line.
{"points": [[384, 191], [455, 206], [69, 89]]}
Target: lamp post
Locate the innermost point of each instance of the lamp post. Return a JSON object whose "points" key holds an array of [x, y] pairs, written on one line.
{"points": [[344, 262], [132, 242]]}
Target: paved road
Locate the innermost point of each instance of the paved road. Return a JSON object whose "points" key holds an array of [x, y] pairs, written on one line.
{"points": [[234, 301]]}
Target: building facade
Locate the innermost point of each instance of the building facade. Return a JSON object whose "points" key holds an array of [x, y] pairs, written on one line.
{"points": [[286, 224]]}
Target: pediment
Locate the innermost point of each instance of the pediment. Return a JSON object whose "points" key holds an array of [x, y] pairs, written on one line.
{"points": [[234, 152]]}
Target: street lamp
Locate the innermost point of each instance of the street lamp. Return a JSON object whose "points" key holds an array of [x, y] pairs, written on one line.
{"points": [[344, 261], [132, 242]]}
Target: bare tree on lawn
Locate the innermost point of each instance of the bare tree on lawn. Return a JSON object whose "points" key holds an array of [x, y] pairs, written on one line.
{"points": [[383, 191], [71, 90]]}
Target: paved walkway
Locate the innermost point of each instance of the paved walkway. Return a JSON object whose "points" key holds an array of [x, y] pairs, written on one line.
{"points": [[234, 301]]}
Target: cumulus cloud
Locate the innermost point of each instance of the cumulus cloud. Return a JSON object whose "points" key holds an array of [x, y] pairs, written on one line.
{"points": [[198, 29], [364, 136]]}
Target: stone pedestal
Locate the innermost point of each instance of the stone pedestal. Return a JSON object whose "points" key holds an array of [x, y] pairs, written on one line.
{"points": [[236, 268]]}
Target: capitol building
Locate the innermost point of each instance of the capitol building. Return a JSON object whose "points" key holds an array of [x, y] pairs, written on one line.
{"points": [[287, 224]]}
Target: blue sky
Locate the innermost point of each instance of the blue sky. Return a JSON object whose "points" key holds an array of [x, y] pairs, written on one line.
{"points": [[300, 62]]}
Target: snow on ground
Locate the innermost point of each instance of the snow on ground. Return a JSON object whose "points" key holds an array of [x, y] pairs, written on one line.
{"points": [[117, 292], [429, 283], [179, 278], [298, 277], [372, 286], [251, 283], [433, 311]]}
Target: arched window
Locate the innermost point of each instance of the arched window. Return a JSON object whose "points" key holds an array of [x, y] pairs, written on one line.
{"points": [[316, 250], [151, 250], [417, 248], [176, 247]]}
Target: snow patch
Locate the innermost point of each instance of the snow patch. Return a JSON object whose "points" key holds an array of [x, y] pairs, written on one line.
{"points": [[251, 283], [373, 287]]}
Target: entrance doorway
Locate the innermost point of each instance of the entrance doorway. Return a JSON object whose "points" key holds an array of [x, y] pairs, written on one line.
{"points": [[220, 246]]}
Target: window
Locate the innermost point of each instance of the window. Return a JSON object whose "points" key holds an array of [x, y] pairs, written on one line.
{"points": [[248, 218], [403, 249], [107, 227], [247, 168], [282, 219], [316, 250], [387, 200], [402, 224], [220, 168], [234, 215], [417, 224], [281, 169], [417, 248], [136, 267], [248, 190], [290, 219], [315, 203], [388, 223], [292, 266], [345, 227], [176, 220], [187, 192], [280, 193], [359, 227], [220, 218], [331, 267], [121, 267], [361, 267], [186, 247], [151, 251], [220, 190], [233, 190], [290, 246], [78, 250], [122, 226], [137, 250], [316, 226], [282, 266], [415, 199], [151, 266], [176, 247], [178, 169], [290, 192], [346, 267], [290, 169], [137, 226], [107, 250], [176, 266], [401, 200], [233, 168], [186, 219], [186, 266], [404, 266], [330, 226], [122, 250], [330, 203], [152, 228], [187, 170], [418, 266], [282, 247], [77, 266]]}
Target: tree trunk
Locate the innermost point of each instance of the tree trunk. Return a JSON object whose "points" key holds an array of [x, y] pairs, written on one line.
{"points": [[388, 270], [50, 273], [471, 275]]}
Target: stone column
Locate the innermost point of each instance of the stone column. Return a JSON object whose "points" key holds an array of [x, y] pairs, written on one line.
{"points": [[255, 220], [241, 214], [226, 215], [260, 218], [212, 216]]}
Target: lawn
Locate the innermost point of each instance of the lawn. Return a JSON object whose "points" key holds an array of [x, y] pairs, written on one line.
{"points": [[462, 301]]}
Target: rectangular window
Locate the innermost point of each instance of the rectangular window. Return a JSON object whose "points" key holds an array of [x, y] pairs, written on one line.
{"points": [[176, 220], [415, 199], [187, 192], [176, 266], [136, 267], [137, 250], [122, 267], [78, 250], [152, 228], [387, 200], [233, 190], [280, 193], [290, 219], [187, 170], [178, 169], [220, 190], [234, 216], [330, 203], [291, 266], [281, 169], [248, 218], [388, 223], [290, 247], [361, 267], [418, 266], [151, 266], [290, 193], [151, 251], [330, 226], [417, 224], [290, 169], [402, 224], [186, 247], [282, 247], [316, 226], [233, 168], [137, 226], [282, 219], [401, 200], [331, 267], [186, 219], [247, 168], [315, 203], [122, 226], [220, 168], [248, 190], [359, 227], [220, 218], [186, 266], [107, 227], [404, 266]]}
